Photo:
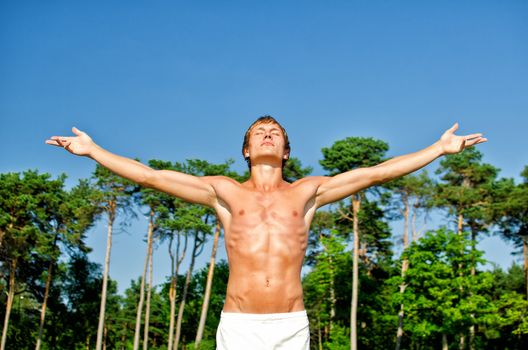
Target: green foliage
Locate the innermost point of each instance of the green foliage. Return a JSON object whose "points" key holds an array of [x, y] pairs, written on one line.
{"points": [[467, 181], [37, 218], [330, 274], [510, 210], [208, 344], [441, 295], [513, 310], [416, 191], [23, 212], [353, 152], [507, 281], [339, 339], [293, 170]]}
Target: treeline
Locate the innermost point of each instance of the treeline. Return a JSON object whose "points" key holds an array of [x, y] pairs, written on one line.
{"points": [[367, 287]]}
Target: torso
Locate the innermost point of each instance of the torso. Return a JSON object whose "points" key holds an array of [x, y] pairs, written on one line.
{"points": [[266, 234]]}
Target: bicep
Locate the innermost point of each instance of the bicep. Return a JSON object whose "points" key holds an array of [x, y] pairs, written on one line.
{"points": [[340, 186], [190, 188]]}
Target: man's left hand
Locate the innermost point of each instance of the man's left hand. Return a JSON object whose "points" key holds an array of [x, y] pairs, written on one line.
{"points": [[452, 143]]}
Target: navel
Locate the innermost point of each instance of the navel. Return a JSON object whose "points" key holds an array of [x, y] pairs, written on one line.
{"points": [[267, 282]]}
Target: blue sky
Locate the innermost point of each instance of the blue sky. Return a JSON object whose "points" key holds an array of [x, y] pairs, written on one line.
{"points": [[175, 80]]}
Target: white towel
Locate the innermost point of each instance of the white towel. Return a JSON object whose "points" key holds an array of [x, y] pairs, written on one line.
{"points": [[242, 331]]}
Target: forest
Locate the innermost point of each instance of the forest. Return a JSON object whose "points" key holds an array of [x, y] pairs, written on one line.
{"points": [[366, 286]]}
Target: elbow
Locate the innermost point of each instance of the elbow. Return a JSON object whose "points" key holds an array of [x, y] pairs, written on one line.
{"points": [[148, 178], [382, 175]]}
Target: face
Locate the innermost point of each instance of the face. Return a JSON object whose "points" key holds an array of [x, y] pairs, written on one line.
{"points": [[266, 141]]}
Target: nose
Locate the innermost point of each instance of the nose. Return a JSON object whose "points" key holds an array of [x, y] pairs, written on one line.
{"points": [[267, 135]]}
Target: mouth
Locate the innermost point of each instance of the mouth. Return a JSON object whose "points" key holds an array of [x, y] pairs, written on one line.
{"points": [[267, 144]]}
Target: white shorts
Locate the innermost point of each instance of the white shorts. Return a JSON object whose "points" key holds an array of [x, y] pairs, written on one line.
{"points": [[241, 331]]}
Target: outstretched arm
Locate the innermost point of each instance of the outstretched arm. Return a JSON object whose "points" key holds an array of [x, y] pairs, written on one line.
{"points": [[345, 184], [187, 187]]}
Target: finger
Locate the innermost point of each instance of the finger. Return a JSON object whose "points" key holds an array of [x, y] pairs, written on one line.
{"points": [[472, 136], [53, 143], [454, 127], [76, 131], [476, 141], [64, 139]]}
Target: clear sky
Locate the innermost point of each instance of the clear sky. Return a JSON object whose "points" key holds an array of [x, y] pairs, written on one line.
{"points": [[175, 80]]}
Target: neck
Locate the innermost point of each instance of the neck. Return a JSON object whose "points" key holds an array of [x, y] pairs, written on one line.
{"points": [[266, 177]]}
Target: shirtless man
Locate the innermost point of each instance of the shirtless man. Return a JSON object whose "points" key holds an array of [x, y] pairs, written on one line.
{"points": [[266, 222]]}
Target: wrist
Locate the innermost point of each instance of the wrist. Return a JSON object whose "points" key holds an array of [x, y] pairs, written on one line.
{"points": [[94, 150], [439, 148]]}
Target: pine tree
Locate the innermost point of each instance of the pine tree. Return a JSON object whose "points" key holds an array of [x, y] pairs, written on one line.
{"points": [[345, 155]]}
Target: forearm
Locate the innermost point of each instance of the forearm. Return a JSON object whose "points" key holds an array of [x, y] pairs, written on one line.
{"points": [[122, 166], [408, 163]]}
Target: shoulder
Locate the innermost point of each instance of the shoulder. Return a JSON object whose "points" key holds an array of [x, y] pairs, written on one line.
{"points": [[310, 182], [219, 182]]}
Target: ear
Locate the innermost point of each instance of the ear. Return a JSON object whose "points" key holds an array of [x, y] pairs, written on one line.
{"points": [[286, 155]]}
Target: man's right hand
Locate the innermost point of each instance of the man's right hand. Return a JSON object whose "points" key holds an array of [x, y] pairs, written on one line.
{"points": [[81, 145]]}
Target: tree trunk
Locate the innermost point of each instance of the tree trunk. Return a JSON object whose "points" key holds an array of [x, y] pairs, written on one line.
{"points": [[413, 225], [184, 294], [207, 295], [149, 286], [172, 290], [460, 223], [525, 254], [399, 332], [333, 300], [104, 337], [44, 305], [319, 335], [445, 346], [123, 337], [473, 245], [473, 273], [139, 310], [356, 203], [172, 294], [147, 309], [9, 304], [100, 328], [462, 342]]}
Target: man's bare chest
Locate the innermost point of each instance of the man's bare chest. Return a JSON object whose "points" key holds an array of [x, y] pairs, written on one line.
{"points": [[262, 225], [289, 209]]}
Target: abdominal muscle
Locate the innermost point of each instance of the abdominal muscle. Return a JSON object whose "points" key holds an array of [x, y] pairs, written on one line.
{"points": [[251, 295], [265, 267]]}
